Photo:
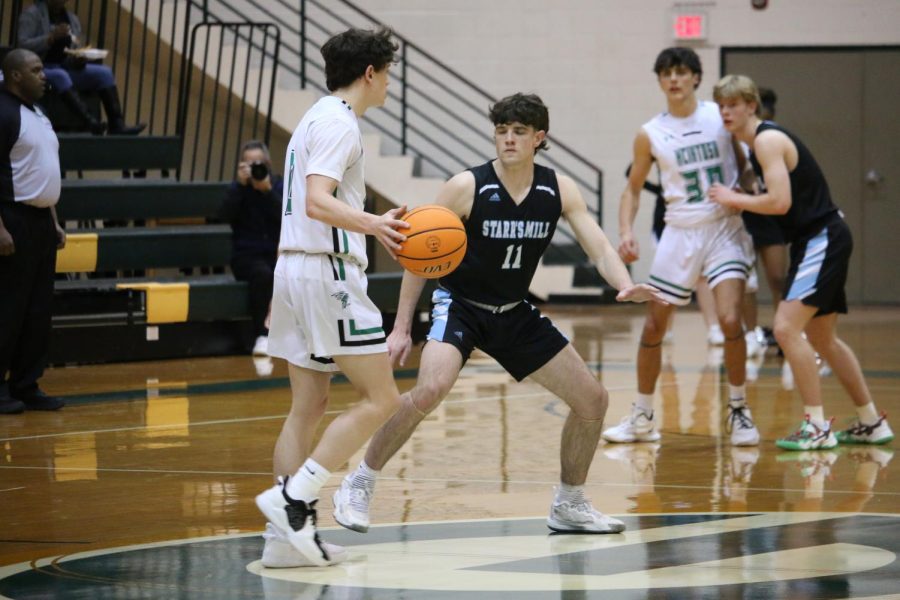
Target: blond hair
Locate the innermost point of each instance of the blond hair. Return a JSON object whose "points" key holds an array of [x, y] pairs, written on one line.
{"points": [[737, 86]]}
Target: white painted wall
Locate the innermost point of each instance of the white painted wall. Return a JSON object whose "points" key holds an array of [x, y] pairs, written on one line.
{"points": [[591, 60]]}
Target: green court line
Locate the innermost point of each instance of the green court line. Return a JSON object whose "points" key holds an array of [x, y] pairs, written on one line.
{"points": [[218, 387], [255, 385]]}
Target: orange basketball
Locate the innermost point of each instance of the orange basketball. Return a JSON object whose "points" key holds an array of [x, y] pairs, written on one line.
{"points": [[435, 241]]}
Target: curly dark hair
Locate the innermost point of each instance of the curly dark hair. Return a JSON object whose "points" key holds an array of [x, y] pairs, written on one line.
{"points": [[527, 109], [347, 55]]}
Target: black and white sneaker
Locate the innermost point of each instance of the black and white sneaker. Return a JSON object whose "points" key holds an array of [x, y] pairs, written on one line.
{"points": [[297, 519], [741, 427], [859, 433]]}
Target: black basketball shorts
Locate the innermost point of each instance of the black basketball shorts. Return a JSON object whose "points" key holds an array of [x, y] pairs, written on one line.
{"points": [[818, 271], [520, 339], [763, 229]]}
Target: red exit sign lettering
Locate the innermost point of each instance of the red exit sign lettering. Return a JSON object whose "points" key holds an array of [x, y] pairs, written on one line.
{"points": [[689, 26]]}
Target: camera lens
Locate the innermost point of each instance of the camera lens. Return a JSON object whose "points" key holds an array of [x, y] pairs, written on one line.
{"points": [[259, 170]]}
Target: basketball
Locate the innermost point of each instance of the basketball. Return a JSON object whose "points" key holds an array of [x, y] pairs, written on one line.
{"points": [[435, 242]]}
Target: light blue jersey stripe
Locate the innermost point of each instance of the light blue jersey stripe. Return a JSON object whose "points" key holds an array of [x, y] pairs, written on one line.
{"points": [[441, 299], [808, 271]]}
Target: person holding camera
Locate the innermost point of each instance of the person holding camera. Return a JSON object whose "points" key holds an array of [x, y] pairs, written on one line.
{"points": [[252, 207]]}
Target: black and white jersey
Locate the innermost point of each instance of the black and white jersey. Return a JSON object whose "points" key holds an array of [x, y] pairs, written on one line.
{"points": [[505, 240], [811, 204], [29, 154]]}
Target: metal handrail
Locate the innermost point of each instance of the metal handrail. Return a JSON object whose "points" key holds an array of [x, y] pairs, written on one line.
{"points": [[220, 144], [436, 140]]}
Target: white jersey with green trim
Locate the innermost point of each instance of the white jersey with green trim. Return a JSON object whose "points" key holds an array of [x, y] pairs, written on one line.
{"points": [[693, 153], [326, 142]]}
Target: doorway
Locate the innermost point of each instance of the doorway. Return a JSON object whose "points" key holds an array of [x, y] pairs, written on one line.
{"points": [[842, 102]]}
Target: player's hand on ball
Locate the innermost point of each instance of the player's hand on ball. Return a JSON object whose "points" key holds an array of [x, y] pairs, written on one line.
{"points": [[641, 292], [399, 343], [387, 230]]}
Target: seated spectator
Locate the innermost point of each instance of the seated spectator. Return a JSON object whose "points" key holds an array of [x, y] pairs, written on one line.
{"points": [[253, 208], [48, 29]]}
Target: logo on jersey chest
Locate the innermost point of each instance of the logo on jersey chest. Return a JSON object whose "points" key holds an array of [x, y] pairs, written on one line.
{"points": [[697, 153], [515, 229]]}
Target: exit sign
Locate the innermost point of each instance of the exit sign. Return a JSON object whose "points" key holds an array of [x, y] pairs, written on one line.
{"points": [[689, 26]]}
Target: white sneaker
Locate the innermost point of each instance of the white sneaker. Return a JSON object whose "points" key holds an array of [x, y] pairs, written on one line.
{"points": [[809, 437], [279, 554], [636, 427], [261, 347], [297, 519], [351, 505], [787, 377], [754, 348], [824, 367], [878, 433], [753, 366], [741, 427], [263, 365], [569, 517], [714, 336]]}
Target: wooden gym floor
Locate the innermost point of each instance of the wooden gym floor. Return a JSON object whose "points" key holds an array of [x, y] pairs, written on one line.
{"points": [[143, 486]]}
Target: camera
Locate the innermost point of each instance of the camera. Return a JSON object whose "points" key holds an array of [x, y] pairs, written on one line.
{"points": [[259, 170]]}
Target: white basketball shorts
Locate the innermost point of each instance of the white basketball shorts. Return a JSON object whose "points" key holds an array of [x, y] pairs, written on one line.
{"points": [[719, 251], [320, 310]]}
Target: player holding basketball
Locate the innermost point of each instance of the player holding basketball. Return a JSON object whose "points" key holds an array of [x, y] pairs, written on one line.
{"points": [[701, 238], [795, 191], [510, 207], [322, 319]]}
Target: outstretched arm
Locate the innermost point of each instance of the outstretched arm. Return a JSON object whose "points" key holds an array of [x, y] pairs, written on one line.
{"points": [[630, 199], [597, 246]]}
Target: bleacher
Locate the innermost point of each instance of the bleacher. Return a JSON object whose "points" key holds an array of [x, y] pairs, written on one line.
{"points": [[122, 292]]}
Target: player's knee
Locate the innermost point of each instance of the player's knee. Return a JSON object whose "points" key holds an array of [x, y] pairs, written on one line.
{"points": [[595, 405], [308, 408], [427, 396], [785, 333], [653, 332], [731, 324]]}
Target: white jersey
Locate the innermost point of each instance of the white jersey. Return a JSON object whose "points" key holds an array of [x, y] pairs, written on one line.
{"points": [[693, 153], [326, 142]]}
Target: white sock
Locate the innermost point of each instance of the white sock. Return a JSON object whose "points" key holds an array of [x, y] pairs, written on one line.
{"points": [[867, 414], [645, 403], [364, 476], [816, 415], [306, 483], [736, 393], [570, 493]]}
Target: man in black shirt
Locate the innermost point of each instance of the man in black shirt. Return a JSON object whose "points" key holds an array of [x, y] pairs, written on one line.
{"points": [[794, 190], [510, 207], [30, 234], [253, 208]]}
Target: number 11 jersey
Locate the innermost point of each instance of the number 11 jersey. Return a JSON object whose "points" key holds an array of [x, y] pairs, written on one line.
{"points": [[505, 240]]}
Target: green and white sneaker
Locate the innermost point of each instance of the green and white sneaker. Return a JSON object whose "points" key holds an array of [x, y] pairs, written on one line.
{"points": [[809, 437], [858, 433]]}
